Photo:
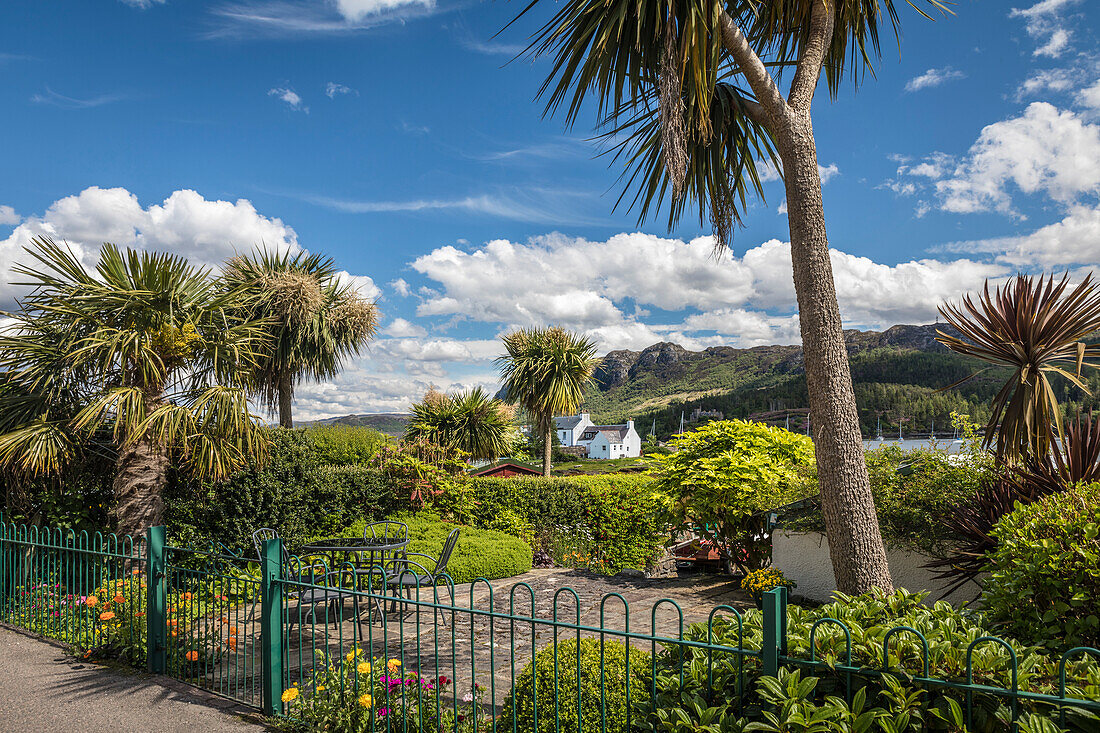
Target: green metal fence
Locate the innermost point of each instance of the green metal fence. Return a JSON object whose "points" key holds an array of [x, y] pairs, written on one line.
{"points": [[292, 636]]}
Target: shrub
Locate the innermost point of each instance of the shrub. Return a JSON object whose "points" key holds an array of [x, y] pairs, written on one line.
{"points": [[726, 472], [345, 445], [1049, 554], [759, 582], [601, 697], [617, 516], [480, 553], [711, 681]]}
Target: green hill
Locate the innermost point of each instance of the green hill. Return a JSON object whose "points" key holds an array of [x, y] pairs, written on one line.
{"points": [[389, 423], [897, 375]]}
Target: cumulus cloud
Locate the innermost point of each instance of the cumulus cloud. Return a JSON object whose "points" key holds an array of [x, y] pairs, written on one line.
{"points": [[291, 97], [933, 78], [1042, 151], [8, 216], [204, 231], [401, 328], [1075, 240]]}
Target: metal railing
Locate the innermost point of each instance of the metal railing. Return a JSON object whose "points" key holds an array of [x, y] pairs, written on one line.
{"points": [[379, 650]]}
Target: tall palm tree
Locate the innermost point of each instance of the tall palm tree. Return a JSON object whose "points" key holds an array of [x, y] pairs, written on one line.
{"points": [[1037, 327], [314, 320], [471, 421], [142, 349], [688, 95], [546, 371]]}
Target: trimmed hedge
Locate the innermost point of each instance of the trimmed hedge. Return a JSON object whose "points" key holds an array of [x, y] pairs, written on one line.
{"points": [[620, 512], [1048, 554], [598, 696], [480, 553]]}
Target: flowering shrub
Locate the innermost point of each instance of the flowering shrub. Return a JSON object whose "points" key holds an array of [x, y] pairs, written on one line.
{"points": [[759, 582], [352, 694]]}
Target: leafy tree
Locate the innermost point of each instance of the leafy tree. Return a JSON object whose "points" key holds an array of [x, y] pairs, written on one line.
{"points": [[688, 95], [1038, 329], [314, 320], [546, 371], [720, 476], [141, 353], [470, 421]]}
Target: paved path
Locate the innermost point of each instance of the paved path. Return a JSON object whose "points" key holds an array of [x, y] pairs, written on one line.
{"points": [[43, 688]]}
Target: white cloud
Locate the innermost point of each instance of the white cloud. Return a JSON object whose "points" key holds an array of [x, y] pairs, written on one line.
{"points": [[1048, 80], [401, 287], [289, 96], [54, 99], [933, 78], [185, 223], [400, 328], [332, 89], [1090, 97], [363, 285], [8, 216], [356, 10], [143, 4], [1044, 150], [1075, 240], [1045, 23], [297, 18], [828, 172]]}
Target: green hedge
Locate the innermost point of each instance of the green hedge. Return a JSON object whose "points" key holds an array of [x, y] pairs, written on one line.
{"points": [[618, 512], [1044, 576], [602, 699], [297, 491], [480, 553]]}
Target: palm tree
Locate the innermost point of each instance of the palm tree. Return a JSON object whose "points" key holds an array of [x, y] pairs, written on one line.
{"points": [[471, 421], [314, 320], [140, 353], [688, 96], [1037, 328], [546, 371]]}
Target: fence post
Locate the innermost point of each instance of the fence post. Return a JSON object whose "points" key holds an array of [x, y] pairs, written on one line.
{"points": [[775, 630], [271, 627], [156, 601]]}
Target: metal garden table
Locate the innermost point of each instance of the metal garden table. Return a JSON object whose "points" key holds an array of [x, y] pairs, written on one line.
{"points": [[366, 555]]}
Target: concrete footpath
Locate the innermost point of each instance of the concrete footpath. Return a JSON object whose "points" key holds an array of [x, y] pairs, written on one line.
{"points": [[43, 688]]}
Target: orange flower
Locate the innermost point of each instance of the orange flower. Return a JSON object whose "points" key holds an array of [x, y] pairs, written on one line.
{"points": [[192, 656], [106, 615], [135, 571], [174, 633], [232, 630], [119, 598], [91, 601], [186, 596], [233, 643], [173, 622], [139, 614]]}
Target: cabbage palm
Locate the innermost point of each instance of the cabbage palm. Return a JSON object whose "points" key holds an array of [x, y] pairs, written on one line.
{"points": [[1037, 327], [471, 421], [314, 321], [546, 371], [141, 354], [688, 96]]}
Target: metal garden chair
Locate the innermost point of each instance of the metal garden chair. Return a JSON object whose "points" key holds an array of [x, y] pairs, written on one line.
{"points": [[408, 576]]}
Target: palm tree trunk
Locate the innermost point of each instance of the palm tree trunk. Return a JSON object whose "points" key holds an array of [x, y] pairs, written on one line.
{"points": [[851, 523], [547, 446], [286, 396], [141, 471]]}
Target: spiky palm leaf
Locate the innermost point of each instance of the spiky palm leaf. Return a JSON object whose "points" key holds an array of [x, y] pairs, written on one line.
{"points": [[107, 349], [671, 101], [314, 320], [1037, 327], [471, 421]]}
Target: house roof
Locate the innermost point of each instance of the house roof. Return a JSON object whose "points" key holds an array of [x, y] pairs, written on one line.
{"points": [[568, 422], [613, 433], [512, 466]]}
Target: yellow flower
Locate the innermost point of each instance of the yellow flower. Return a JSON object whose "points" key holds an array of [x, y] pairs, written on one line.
{"points": [[290, 695], [320, 688], [393, 664], [365, 700], [363, 668]]}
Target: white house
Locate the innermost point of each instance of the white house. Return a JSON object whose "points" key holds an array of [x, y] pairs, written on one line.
{"points": [[571, 427], [612, 441]]}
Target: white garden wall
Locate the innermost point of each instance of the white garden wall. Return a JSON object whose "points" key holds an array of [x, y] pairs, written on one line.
{"points": [[804, 558]]}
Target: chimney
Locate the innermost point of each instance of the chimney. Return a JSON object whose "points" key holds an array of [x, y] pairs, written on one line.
{"points": [[584, 416], [629, 425]]}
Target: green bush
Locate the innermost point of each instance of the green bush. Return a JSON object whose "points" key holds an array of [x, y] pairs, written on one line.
{"points": [[345, 445], [711, 684], [294, 492], [618, 515], [601, 697], [728, 471], [1044, 581], [480, 553]]}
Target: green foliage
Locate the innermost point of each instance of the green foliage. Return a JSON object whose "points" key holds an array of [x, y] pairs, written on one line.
{"points": [[1048, 553], [472, 422], [759, 582], [725, 472], [711, 688], [480, 553], [617, 515], [293, 492], [569, 672], [343, 445]]}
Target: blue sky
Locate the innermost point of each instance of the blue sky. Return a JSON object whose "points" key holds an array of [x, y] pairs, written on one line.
{"points": [[400, 137]]}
